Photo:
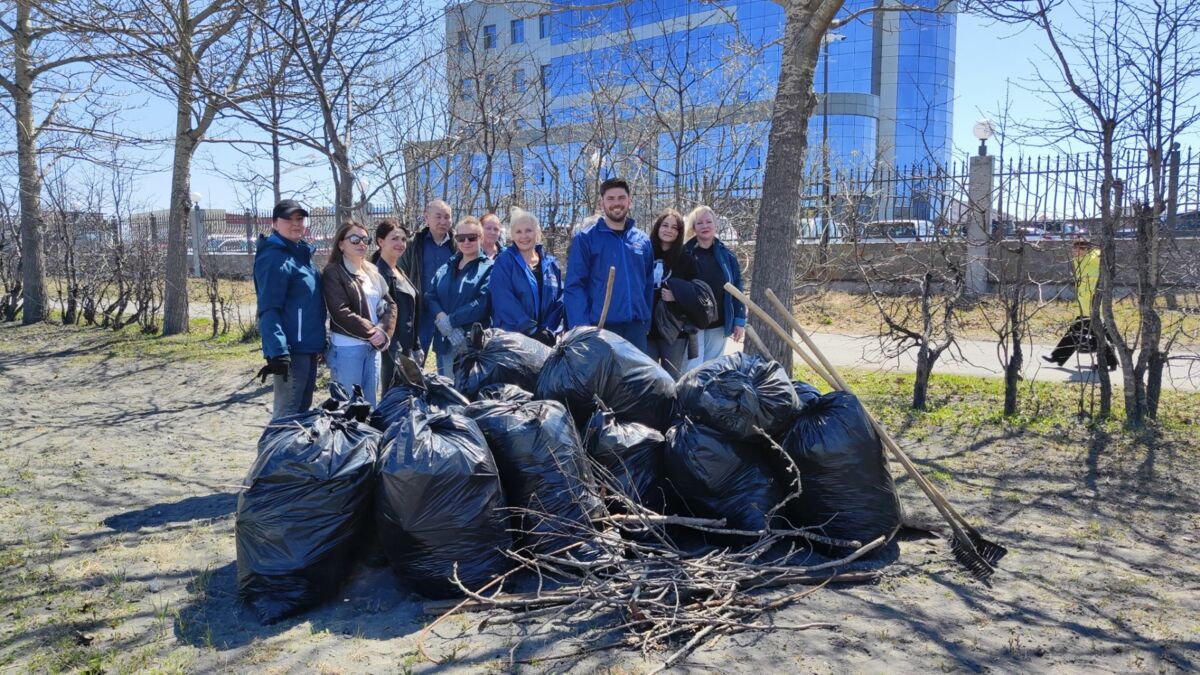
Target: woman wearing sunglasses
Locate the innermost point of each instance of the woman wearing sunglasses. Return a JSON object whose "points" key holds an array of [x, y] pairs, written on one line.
{"points": [[458, 296], [362, 314]]}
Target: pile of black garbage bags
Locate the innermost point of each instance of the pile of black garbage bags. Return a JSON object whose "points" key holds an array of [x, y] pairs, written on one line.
{"points": [[527, 447]]}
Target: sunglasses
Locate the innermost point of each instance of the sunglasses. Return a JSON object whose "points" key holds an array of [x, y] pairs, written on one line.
{"points": [[464, 238], [357, 239]]}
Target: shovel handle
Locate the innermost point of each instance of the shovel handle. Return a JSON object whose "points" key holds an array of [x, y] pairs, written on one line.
{"points": [[612, 277]]}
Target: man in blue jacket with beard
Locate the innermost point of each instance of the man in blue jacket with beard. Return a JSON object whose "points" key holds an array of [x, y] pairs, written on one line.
{"points": [[613, 241], [291, 310]]}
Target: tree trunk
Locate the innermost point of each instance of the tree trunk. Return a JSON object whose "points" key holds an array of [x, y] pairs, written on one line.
{"points": [[921, 380], [780, 208], [33, 259], [175, 298], [1012, 373]]}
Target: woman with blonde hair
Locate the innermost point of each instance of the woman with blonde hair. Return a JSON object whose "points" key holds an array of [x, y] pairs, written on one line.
{"points": [[715, 265], [526, 285], [458, 295], [362, 314]]}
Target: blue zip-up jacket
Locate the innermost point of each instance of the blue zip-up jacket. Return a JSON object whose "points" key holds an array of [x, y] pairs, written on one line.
{"points": [[462, 296], [516, 305], [593, 251], [291, 309], [735, 311]]}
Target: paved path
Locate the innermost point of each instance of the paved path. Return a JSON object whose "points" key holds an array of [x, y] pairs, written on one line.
{"points": [[979, 357]]}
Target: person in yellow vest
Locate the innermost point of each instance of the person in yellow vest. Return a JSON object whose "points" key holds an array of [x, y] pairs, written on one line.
{"points": [[1080, 336]]}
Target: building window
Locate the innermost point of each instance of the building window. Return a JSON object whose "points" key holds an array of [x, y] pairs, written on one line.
{"points": [[490, 82], [463, 44], [543, 26], [519, 79], [517, 31], [468, 89], [489, 37], [545, 77]]}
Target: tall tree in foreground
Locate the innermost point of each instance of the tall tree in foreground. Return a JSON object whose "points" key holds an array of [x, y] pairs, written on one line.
{"points": [[195, 56], [43, 70]]}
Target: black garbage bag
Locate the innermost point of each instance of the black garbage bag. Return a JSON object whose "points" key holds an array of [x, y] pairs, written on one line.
{"points": [[805, 392], [543, 467], [630, 452], [440, 502], [590, 362], [499, 357], [436, 393], [737, 392], [717, 478], [507, 393], [847, 488], [304, 508]]}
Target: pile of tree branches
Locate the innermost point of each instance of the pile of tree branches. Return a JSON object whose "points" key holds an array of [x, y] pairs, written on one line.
{"points": [[626, 581]]}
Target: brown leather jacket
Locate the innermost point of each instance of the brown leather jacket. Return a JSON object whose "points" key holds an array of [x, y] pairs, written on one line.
{"points": [[346, 302]]}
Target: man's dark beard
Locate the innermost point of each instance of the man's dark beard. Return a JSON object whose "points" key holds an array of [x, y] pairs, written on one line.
{"points": [[613, 219]]}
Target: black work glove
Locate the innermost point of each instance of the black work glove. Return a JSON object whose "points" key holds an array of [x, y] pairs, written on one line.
{"points": [[544, 336], [276, 365]]}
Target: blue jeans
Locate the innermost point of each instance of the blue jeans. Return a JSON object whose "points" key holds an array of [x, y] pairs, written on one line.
{"points": [[445, 365], [634, 331], [358, 364], [712, 345], [296, 394]]}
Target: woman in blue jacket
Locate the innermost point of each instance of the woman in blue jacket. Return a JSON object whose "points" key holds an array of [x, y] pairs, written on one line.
{"points": [[526, 285], [458, 296], [715, 265]]}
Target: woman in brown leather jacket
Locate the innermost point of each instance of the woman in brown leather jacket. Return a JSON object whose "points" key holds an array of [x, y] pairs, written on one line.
{"points": [[362, 314]]}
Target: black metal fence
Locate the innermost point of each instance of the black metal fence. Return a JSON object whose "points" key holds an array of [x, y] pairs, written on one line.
{"points": [[1033, 197]]}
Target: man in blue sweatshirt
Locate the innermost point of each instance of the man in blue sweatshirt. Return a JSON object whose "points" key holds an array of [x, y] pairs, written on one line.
{"points": [[613, 241], [291, 309]]}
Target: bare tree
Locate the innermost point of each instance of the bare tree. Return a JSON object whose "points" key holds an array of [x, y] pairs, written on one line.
{"points": [[46, 70], [197, 57], [1126, 79]]}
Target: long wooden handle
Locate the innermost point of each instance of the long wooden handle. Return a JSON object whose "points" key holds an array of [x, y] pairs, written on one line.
{"points": [[837, 383], [612, 277]]}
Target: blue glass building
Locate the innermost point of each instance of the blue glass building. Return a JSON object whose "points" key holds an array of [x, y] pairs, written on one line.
{"points": [[668, 91]]}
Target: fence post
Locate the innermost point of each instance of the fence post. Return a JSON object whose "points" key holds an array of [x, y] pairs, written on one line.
{"points": [[979, 193]]}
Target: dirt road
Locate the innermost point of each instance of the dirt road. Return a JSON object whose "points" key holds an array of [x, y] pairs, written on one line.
{"points": [[118, 484]]}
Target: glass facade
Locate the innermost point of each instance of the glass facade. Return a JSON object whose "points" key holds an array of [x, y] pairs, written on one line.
{"points": [[888, 80]]}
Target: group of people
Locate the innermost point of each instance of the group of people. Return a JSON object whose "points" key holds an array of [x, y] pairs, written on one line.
{"points": [[662, 291]]}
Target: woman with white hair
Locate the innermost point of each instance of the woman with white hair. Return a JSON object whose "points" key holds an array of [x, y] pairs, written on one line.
{"points": [[527, 283], [715, 265]]}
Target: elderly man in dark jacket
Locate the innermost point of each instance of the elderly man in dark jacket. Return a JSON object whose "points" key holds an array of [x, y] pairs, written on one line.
{"points": [[429, 249]]}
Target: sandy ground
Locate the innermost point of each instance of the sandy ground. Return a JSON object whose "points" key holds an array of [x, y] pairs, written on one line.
{"points": [[118, 484]]}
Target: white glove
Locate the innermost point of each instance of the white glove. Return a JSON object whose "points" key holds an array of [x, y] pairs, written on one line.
{"points": [[457, 339], [443, 325]]}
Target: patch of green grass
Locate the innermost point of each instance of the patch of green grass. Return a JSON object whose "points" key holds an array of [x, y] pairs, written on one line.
{"points": [[92, 344], [965, 405]]}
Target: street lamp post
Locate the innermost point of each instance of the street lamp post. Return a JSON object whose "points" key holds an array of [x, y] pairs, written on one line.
{"points": [[979, 194], [826, 209], [197, 238]]}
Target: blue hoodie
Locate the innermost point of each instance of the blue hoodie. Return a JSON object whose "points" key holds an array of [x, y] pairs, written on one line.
{"points": [[463, 296], [734, 311], [593, 251], [291, 310], [514, 291]]}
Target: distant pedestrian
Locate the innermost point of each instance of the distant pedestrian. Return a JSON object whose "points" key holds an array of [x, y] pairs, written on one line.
{"points": [[669, 263], [613, 241], [291, 311], [392, 239], [458, 295], [491, 244], [429, 249], [716, 265], [362, 314], [1081, 335], [526, 285]]}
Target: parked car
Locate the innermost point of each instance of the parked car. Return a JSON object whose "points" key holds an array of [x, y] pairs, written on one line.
{"points": [[901, 230]]}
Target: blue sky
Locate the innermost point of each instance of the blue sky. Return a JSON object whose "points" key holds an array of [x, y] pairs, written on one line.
{"points": [[990, 58]]}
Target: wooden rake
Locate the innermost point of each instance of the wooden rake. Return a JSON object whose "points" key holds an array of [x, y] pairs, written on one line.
{"points": [[970, 548]]}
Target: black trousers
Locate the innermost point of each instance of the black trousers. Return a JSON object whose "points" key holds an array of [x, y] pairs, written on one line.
{"points": [[1081, 337]]}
